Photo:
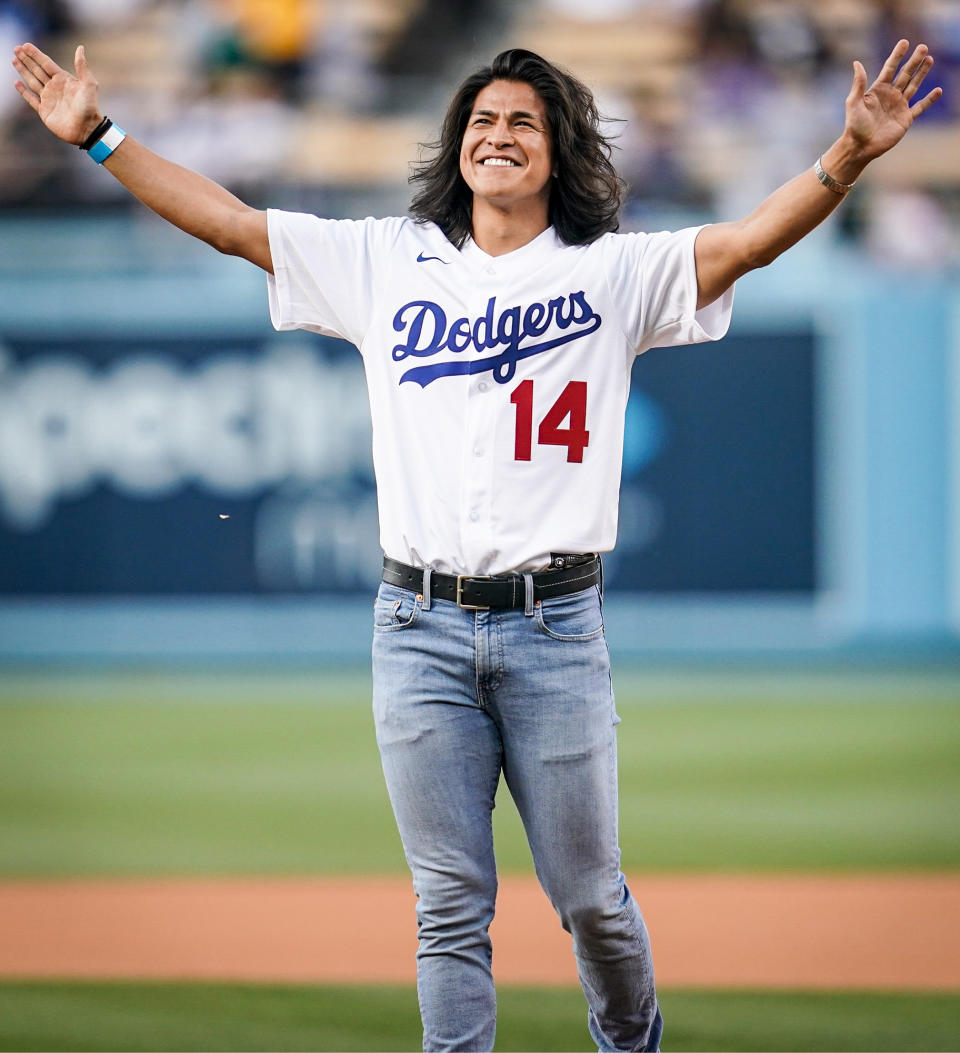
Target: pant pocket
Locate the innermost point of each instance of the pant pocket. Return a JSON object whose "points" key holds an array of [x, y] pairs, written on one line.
{"points": [[395, 608], [578, 616]]}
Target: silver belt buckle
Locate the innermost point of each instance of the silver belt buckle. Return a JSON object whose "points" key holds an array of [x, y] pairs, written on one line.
{"points": [[467, 606]]}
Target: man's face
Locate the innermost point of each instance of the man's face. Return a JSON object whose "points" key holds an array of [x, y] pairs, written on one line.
{"points": [[506, 156]]}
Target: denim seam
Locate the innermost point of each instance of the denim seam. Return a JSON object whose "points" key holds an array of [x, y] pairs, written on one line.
{"points": [[585, 638], [478, 679], [564, 637], [497, 678]]}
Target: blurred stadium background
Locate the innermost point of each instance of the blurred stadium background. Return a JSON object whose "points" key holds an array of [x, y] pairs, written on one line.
{"points": [[187, 507]]}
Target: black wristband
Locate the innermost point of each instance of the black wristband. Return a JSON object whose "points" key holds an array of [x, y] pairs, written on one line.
{"points": [[97, 134]]}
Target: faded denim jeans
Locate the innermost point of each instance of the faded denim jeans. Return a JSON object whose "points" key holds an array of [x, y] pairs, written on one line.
{"points": [[458, 697]]}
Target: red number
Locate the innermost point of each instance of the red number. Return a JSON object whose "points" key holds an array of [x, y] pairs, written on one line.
{"points": [[522, 398], [572, 403]]}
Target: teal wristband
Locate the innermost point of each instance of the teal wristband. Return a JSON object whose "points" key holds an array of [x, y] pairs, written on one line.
{"points": [[107, 143]]}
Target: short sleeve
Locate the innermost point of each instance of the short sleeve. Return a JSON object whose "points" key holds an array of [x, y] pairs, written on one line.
{"points": [[325, 271], [653, 279]]}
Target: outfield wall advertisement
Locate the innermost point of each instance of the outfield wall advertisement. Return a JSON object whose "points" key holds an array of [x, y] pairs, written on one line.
{"points": [[193, 465]]}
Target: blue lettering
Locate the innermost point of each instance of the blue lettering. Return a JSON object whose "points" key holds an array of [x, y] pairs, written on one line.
{"points": [[509, 333], [556, 309], [508, 328], [458, 339], [517, 331], [583, 311], [536, 320], [422, 309], [483, 328]]}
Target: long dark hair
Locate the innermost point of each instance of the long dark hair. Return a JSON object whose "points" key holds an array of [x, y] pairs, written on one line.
{"points": [[584, 196]]}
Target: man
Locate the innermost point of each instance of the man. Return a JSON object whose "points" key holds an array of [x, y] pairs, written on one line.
{"points": [[498, 327]]}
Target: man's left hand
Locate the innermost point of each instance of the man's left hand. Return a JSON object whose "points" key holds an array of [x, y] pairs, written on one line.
{"points": [[878, 118]]}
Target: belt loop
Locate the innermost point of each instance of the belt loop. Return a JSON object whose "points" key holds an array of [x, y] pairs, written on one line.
{"points": [[600, 575], [528, 595], [427, 574]]}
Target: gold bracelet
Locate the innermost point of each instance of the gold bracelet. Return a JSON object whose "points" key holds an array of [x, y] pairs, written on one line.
{"points": [[829, 182]]}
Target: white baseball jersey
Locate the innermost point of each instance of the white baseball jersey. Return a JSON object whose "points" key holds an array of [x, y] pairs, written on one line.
{"points": [[497, 385]]}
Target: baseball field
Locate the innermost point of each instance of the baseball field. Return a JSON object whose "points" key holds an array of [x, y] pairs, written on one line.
{"points": [[206, 860]]}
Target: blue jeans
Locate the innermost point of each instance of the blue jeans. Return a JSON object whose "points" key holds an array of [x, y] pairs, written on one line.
{"points": [[458, 697]]}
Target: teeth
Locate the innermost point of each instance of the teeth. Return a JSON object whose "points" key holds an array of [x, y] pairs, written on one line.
{"points": [[503, 161]]}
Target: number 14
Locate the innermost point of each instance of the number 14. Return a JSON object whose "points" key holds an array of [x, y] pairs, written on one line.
{"points": [[572, 403]]}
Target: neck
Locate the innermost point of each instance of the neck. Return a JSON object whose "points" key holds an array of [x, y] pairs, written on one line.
{"points": [[498, 231]]}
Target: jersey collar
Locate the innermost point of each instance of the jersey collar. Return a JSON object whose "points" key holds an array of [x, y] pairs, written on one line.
{"points": [[543, 244]]}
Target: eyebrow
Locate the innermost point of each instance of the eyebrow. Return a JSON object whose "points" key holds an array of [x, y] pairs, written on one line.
{"points": [[514, 114]]}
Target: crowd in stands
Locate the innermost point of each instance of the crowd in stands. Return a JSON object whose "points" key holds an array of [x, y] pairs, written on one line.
{"points": [[713, 102]]}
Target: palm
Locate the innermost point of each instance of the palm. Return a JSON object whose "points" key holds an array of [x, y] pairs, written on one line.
{"points": [[66, 104], [879, 118]]}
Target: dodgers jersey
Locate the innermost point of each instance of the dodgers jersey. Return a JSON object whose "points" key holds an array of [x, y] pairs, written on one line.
{"points": [[498, 384]]}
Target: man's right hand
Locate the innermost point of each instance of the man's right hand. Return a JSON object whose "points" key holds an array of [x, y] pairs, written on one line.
{"points": [[67, 104]]}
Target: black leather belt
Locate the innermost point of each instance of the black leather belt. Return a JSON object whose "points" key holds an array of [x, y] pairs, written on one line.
{"points": [[483, 592]]}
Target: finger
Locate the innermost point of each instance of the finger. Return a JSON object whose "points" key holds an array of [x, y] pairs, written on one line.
{"points": [[889, 69], [917, 79], [33, 82], [41, 59], [926, 102], [911, 67], [27, 95], [859, 85], [29, 65]]}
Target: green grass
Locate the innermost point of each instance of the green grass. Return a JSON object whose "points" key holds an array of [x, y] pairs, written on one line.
{"points": [[271, 772], [137, 1016]]}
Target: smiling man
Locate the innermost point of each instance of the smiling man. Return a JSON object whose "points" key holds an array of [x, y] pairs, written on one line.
{"points": [[506, 160], [498, 325]]}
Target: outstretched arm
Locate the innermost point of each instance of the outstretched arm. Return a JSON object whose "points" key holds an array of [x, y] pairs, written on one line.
{"points": [[876, 120], [68, 105]]}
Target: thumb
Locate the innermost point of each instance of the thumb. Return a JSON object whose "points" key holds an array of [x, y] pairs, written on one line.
{"points": [[81, 65], [859, 85]]}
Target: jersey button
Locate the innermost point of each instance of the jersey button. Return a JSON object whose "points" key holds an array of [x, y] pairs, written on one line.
{"points": [[491, 270], [478, 451], [482, 386], [474, 516]]}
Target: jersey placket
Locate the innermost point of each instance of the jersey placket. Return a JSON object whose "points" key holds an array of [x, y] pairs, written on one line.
{"points": [[484, 399]]}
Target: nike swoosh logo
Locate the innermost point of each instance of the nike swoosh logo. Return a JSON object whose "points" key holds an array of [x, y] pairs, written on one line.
{"points": [[424, 259]]}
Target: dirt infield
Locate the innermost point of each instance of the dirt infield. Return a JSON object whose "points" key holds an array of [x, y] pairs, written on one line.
{"points": [[729, 931]]}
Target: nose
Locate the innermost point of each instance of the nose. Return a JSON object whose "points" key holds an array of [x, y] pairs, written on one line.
{"points": [[500, 134]]}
